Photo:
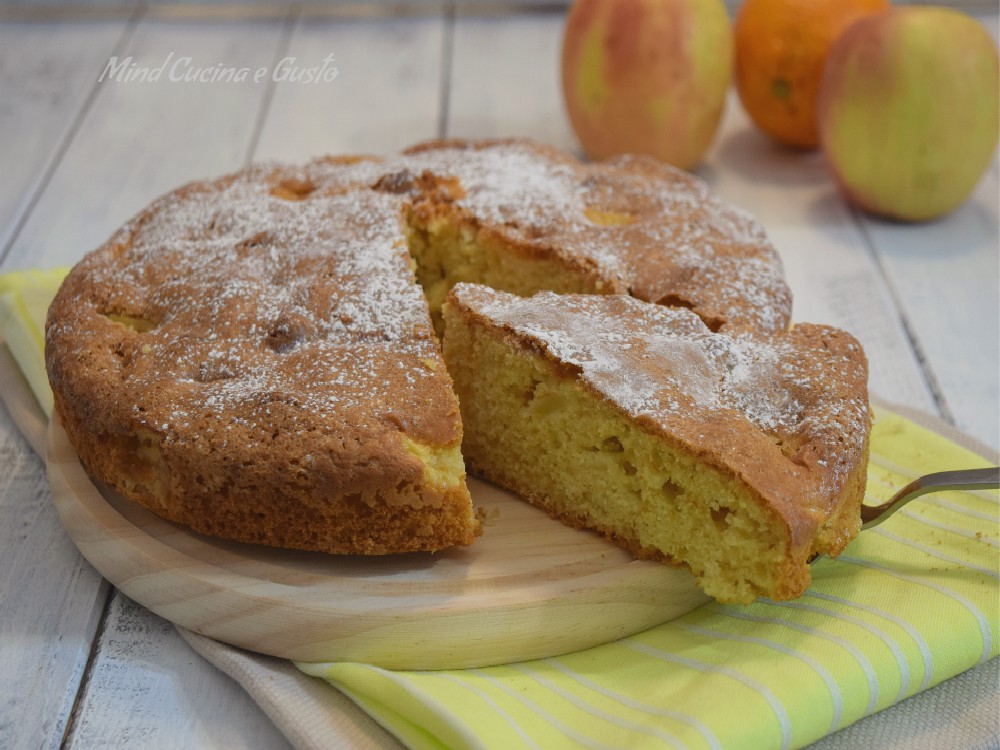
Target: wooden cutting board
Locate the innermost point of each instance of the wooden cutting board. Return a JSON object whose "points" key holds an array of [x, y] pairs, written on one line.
{"points": [[529, 588]]}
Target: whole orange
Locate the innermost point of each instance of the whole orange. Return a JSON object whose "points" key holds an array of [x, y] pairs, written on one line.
{"points": [[781, 46]]}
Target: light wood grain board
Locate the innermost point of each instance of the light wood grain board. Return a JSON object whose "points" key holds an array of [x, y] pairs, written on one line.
{"points": [[529, 588]]}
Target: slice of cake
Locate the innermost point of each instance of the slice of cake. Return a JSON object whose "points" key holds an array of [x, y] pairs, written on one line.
{"points": [[738, 455]]}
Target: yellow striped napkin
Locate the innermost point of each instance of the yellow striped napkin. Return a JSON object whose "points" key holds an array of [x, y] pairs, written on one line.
{"points": [[24, 301], [909, 604]]}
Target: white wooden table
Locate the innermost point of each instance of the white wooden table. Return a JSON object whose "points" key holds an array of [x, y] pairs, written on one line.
{"points": [[82, 666]]}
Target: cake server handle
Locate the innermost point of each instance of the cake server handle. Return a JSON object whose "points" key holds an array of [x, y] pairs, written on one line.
{"points": [[962, 479]]}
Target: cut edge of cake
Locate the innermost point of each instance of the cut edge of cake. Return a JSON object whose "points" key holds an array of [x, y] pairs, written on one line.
{"points": [[746, 511]]}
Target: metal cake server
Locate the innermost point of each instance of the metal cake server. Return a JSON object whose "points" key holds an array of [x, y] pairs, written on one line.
{"points": [[962, 479]]}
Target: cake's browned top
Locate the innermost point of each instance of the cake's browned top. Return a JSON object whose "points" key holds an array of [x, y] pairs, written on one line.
{"points": [[650, 230], [641, 227], [261, 319], [788, 414]]}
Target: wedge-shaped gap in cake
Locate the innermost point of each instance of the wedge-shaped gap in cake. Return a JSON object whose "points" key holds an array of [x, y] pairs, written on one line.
{"points": [[448, 248]]}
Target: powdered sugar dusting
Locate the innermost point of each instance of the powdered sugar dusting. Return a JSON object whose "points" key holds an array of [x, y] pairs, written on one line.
{"points": [[653, 230], [256, 297], [507, 185], [645, 228], [651, 360], [803, 391], [301, 274]]}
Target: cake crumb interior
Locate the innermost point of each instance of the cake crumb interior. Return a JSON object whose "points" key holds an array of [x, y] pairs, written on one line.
{"points": [[538, 432]]}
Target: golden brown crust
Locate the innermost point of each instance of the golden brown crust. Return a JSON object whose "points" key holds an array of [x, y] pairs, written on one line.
{"points": [[249, 357]]}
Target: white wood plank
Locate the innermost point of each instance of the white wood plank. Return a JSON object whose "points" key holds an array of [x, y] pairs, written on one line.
{"points": [[50, 598], [386, 94], [50, 603], [142, 139], [137, 140], [945, 275], [505, 78], [148, 689], [46, 76]]}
